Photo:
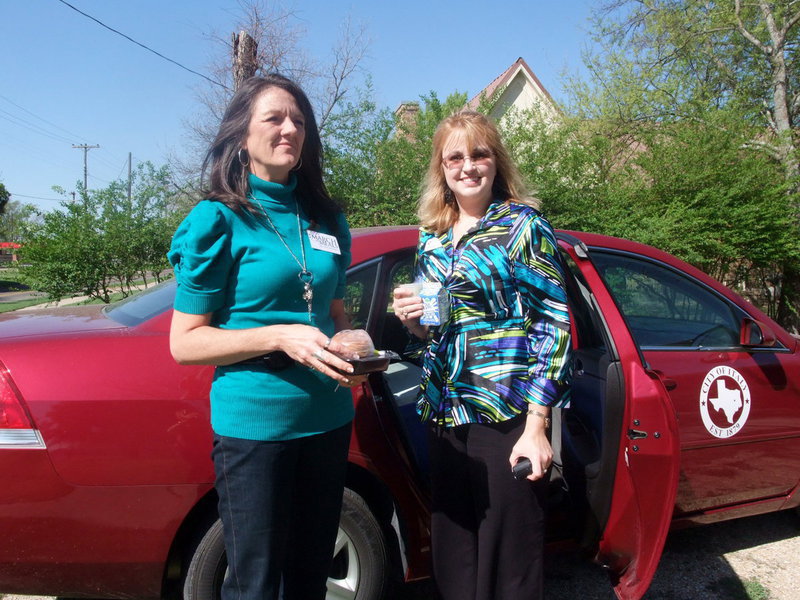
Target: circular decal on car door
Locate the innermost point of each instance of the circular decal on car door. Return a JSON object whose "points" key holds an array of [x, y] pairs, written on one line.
{"points": [[724, 402]]}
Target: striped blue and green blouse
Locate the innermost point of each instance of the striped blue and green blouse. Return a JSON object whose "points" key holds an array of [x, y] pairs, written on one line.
{"points": [[506, 343]]}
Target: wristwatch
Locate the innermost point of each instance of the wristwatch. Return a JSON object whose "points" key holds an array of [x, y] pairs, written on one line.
{"points": [[541, 415]]}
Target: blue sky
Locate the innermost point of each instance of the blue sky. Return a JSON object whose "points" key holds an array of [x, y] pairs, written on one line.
{"points": [[68, 81]]}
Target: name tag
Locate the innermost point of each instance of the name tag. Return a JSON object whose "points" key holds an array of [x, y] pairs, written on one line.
{"points": [[432, 244], [324, 242]]}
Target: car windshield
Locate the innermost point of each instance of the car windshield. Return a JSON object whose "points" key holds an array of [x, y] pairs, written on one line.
{"points": [[145, 305]]}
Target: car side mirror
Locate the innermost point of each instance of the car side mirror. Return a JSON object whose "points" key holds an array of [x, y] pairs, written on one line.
{"points": [[756, 334]]}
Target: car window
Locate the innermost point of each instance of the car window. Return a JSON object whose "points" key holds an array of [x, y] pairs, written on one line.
{"points": [[359, 292], [666, 308], [152, 302], [390, 333], [585, 327], [402, 272], [143, 306]]}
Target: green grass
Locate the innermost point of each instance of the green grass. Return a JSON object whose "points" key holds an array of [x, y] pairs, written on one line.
{"points": [[755, 590], [11, 280], [734, 588], [9, 306], [113, 298]]}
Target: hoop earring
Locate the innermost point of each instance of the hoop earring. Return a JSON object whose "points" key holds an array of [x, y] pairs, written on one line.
{"points": [[298, 165], [239, 156]]}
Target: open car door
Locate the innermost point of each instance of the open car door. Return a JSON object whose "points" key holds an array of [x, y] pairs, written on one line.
{"points": [[642, 463], [645, 485]]}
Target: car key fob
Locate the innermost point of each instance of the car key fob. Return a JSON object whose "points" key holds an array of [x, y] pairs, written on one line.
{"points": [[522, 469]]}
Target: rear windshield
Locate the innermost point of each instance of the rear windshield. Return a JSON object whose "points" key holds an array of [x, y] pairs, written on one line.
{"points": [[143, 306]]}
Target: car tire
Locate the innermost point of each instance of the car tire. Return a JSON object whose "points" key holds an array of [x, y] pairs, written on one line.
{"points": [[360, 568], [207, 567], [361, 558]]}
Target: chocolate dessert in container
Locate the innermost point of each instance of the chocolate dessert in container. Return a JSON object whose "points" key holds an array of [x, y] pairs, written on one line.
{"points": [[369, 359]]}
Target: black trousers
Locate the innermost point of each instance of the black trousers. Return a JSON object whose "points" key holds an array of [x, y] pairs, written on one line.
{"points": [[487, 527], [280, 504]]}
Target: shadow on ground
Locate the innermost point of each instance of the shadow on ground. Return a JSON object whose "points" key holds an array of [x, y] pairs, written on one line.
{"points": [[693, 565], [12, 286]]}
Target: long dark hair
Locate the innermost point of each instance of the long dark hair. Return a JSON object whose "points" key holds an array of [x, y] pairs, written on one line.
{"points": [[225, 175]]}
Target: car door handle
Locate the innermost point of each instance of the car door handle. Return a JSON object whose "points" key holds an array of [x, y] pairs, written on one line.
{"points": [[668, 382]]}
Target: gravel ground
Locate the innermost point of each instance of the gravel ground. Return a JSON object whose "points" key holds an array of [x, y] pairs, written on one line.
{"points": [[757, 558]]}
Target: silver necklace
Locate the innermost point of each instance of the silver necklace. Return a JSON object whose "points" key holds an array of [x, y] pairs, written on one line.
{"points": [[305, 276]]}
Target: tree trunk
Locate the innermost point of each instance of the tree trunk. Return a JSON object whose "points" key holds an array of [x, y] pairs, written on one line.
{"points": [[244, 58]]}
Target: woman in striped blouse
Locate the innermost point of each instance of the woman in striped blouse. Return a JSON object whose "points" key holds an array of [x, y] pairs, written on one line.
{"points": [[494, 368]]}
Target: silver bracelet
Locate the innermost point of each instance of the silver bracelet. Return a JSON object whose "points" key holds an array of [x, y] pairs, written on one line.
{"points": [[541, 415]]}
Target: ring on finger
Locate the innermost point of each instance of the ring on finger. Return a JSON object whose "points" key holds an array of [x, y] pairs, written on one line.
{"points": [[318, 354], [327, 343], [405, 314]]}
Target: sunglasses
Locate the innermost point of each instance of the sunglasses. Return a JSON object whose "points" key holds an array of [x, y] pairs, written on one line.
{"points": [[479, 156]]}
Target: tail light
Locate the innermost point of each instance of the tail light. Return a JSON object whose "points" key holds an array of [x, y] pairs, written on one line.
{"points": [[16, 425]]}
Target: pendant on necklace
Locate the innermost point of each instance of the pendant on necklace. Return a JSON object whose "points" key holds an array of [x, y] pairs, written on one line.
{"points": [[307, 278]]}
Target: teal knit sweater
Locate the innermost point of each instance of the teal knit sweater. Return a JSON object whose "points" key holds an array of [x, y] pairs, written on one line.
{"points": [[235, 267]]}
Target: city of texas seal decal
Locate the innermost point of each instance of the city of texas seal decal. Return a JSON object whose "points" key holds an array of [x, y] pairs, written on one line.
{"points": [[724, 402]]}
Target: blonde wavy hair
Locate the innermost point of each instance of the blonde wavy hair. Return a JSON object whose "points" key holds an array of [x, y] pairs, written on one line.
{"points": [[438, 210]]}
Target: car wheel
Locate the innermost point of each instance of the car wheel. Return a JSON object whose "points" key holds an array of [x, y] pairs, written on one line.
{"points": [[360, 568]]}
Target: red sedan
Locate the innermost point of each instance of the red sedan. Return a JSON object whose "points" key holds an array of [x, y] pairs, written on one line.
{"points": [[686, 409]]}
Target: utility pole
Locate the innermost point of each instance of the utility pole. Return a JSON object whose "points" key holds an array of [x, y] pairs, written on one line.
{"points": [[85, 148], [129, 177]]}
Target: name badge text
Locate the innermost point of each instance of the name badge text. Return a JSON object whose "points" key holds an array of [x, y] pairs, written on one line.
{"points": [[324, 242]]}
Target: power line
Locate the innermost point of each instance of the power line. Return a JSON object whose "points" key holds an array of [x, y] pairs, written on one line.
{"points": [[142, 45], [10, 101], [15, 195], [18, 143], [33, 127]]}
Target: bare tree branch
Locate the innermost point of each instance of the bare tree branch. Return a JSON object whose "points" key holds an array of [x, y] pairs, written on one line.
{"points": [[347, 57], [278, 32]]}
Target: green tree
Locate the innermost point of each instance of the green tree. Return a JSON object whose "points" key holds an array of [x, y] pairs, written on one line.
{"points": [[352, 141], [105, 242], [16, 220], [569, 166], [376, 160], [5, 196], [687, 187], [727, 65]]}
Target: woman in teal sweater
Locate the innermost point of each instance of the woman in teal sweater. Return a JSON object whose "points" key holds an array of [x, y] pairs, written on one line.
{"points": [[261, 266]]}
